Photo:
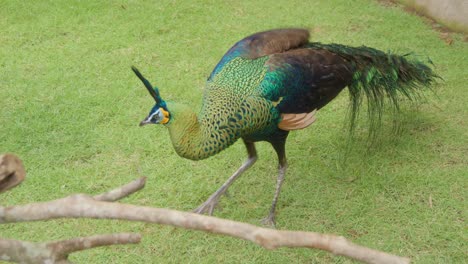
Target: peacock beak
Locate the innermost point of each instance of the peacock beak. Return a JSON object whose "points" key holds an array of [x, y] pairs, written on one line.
{"points": [[146, 121]]}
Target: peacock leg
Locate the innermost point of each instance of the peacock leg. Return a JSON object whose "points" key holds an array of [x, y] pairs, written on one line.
{"points": [[209, 205], [280, 150]]}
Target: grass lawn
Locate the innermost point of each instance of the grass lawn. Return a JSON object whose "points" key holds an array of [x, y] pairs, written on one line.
{"points": [[70, 108]]}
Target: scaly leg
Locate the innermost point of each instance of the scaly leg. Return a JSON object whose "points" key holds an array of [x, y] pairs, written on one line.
{"points": [[209, 205], [280, 150]]}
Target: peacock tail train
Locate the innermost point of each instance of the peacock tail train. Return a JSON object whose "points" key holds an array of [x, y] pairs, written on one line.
{"points": [[380, 76]]}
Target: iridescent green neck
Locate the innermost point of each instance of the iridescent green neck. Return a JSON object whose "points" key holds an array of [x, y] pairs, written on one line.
{"points": [[194, 140], [230, 110]]}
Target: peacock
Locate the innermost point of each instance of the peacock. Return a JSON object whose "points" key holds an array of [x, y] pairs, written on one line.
{"points": [[274, 82]]}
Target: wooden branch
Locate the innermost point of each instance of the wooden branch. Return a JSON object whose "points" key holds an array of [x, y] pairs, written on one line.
{"points": [[122, 191], [102, 207], [58, 251], [83, 206], [12, 171]]}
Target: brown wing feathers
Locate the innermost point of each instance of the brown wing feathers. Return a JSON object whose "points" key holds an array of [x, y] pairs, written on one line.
{"points": [[276, 41]]}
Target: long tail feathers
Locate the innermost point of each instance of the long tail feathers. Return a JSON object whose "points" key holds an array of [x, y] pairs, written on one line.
{"points": [[379, 75]]}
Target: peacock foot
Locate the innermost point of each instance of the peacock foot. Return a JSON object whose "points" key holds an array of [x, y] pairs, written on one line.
{"points": [[207, 207], [269, 221]]}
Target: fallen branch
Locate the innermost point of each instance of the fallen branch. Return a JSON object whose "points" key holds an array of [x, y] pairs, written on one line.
{"points": [[100, 207], [83, 206]]}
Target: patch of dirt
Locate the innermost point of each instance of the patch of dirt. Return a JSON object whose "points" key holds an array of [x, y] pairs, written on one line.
{"points": [[445, 33], [388, 3]]}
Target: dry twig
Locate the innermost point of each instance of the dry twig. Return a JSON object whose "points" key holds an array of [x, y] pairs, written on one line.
{"points": [[123, 191], [57, 251]]}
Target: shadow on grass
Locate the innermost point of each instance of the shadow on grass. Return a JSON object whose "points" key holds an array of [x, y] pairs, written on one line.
{"points": [[404, 135]]}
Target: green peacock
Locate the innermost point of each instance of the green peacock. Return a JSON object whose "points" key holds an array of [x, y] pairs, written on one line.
{"points": [[273, 82]]}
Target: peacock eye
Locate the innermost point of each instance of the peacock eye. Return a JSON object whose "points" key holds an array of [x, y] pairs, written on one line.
{"points": [[154, 116]]}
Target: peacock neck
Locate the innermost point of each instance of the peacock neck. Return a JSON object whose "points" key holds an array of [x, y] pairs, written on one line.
{"points": [[228, 111], [195, 139]]}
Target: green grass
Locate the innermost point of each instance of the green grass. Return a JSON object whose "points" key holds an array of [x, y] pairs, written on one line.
{"points": [[70, 108]]}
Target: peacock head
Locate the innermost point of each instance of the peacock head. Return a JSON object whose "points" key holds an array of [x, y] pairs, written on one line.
{"points": [[159, 113]]}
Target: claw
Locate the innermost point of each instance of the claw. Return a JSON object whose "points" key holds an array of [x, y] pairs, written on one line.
{"points": [[206, 207], [269, 221]]}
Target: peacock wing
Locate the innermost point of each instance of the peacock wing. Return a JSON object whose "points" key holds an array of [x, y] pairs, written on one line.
{"points": [[264, 43], [303, 80]]}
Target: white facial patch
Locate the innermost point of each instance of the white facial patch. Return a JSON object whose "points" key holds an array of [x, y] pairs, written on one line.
{"points": [[159, 115]]}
